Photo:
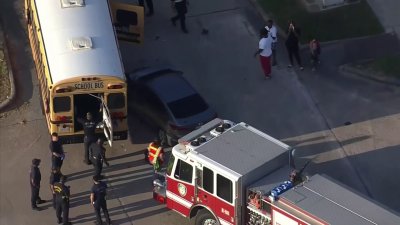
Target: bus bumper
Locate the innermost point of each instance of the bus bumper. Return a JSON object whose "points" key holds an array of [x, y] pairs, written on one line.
{"points": [[78, 138]]}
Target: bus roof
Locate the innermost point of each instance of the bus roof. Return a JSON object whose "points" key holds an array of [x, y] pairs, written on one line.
{"points": [[90, 23]]}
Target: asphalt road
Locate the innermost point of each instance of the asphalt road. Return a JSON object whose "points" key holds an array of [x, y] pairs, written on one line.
{"points": [[309, 115]]}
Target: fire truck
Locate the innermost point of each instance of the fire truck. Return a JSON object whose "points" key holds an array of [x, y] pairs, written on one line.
{"points": [[226, 173]]}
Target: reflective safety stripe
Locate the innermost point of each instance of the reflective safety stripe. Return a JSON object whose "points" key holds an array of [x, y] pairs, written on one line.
{"points": [[154, 152]]}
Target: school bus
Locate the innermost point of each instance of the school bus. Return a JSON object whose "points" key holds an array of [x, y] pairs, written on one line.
{"points": [[78, 63]]}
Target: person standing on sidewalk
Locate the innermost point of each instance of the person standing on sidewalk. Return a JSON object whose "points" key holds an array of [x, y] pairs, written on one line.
{"points": [[98, 200], [149, 4], [273, 32], [181, 10], [292, 44], [57, 152], [265, 52], [315, 51], [35, 178]]}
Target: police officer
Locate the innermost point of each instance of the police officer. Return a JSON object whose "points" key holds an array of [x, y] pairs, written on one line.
{"points": [[97, 151], [62, 201], [98, 200], [181, 9], [57, 152], [35, 178], [89, 129], [54, 178]]}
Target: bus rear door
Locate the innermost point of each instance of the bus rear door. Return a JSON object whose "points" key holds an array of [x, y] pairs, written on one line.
{"points": [[128, 21], [107, 123]]}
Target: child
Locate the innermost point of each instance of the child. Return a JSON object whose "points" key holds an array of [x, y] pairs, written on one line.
{"points": [[315, 50]]}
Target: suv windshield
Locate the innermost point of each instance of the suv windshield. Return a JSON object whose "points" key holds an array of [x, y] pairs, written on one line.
{"points": [[188, 106]]}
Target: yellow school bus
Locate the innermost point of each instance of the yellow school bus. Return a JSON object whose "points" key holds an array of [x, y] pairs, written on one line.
{"points": [[78, 63]]}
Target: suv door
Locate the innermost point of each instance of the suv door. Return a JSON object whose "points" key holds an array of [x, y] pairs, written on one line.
{"points": [[128, 21]]}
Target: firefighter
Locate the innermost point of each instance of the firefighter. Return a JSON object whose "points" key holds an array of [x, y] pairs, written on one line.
{"points": [[35, 178], [98, 156], [89, 129], [98, 200], [55, 177], [155, 155], [62, 201]]}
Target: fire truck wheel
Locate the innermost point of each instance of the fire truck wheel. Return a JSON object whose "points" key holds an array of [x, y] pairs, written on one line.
{"points": [[203, 217]]}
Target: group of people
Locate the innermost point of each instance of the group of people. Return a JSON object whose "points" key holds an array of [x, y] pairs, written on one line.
{"points": [[94, 154], [268, 44], [180, 6]]}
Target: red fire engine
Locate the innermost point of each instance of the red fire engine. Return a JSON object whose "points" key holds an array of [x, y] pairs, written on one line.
{"points": [[226, 173]]}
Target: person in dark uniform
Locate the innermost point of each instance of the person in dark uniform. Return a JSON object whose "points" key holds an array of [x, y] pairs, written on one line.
{"points": [[98, 153], [62, 201], [89, 129], [149, 3], [57, 152], [35, 178], [98, 200], [181, 9], [54, 178]]}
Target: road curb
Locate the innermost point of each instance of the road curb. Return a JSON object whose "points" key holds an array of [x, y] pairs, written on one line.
{"points": [[348, 69], [10, 73]]}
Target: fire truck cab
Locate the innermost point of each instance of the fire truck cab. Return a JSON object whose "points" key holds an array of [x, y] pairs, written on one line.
{"points": [[211, 167]]}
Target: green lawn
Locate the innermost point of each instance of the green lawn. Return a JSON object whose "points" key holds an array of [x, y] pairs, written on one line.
{"points": [[354, 20], [389, 65]]}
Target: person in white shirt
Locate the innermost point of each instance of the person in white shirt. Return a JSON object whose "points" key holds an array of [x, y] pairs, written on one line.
{"points": [[273, 33], [265, 52]]}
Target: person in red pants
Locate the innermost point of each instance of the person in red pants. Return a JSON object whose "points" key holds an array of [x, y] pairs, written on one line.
{"points": [[265, 52]]}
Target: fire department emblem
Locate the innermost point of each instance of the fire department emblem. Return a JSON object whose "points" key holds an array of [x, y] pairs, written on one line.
{"points": [[182, 189]]}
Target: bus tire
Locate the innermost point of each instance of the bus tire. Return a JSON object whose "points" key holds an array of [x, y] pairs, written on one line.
{"points": [[204, 217]]}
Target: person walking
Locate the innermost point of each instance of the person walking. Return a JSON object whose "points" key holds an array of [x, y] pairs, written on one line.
{"points": [[150, 7], [62, 193], [98, 156], [89, 130], [35, 178], [55, 177], [292, 44], [315, 51], [273, 33], [181, 10], [57, 152], [98, 200], [265, 52]]}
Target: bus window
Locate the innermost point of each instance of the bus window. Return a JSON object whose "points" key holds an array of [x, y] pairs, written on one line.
{"points": [[61, 104], [116, 101]]}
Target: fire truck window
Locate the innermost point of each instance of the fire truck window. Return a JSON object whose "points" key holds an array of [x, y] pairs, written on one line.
{"points": [[208, 180], [184, 171], [266, 207], [224, 188], [170, 164]]}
